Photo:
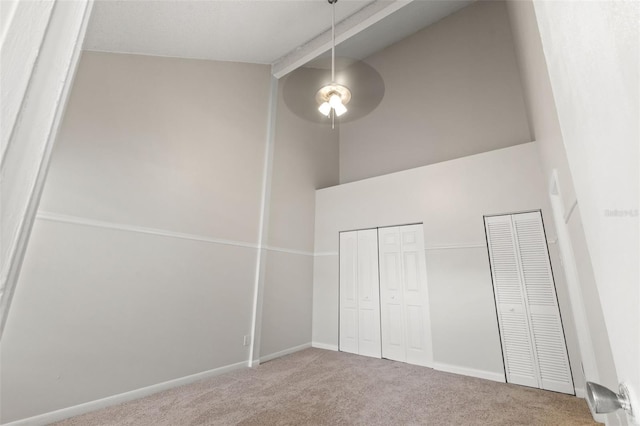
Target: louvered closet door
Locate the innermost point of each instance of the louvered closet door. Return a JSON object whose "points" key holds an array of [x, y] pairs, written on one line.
{"points": [[544, 314], [517, 346], [530, 327]]}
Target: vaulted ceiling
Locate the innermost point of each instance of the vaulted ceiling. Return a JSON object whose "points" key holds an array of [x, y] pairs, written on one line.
{"points": [[283, 33]]}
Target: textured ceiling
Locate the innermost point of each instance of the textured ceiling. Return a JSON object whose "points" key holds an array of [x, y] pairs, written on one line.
{"points": [[257, 31], [285, 33]]}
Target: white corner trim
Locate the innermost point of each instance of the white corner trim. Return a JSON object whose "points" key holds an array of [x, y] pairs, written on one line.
{"points": [[45, 106], [285, 352], [482, 374], [263, 225], [324, 346], [75, 220], [581, 393], [87, 407]]}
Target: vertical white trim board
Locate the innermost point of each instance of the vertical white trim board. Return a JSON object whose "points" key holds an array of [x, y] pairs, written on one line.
{"points": [[38, 121], [109, 401], [263, 227]]}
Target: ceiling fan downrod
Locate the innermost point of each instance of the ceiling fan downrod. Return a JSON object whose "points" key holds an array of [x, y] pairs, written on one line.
{"points": [[333, 97]]}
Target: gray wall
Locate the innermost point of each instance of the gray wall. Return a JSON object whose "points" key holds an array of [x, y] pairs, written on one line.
{"points": [[450, 199], [452, 89], [305, 158], [141, 266]]}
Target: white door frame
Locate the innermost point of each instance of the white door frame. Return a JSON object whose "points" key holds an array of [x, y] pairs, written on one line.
{"points": [[560, 219]]}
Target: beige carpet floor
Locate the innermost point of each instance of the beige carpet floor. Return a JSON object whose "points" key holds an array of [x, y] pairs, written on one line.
{"points": [[318, 387]]}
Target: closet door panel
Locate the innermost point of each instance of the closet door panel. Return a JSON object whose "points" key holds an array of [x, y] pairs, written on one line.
{"points": [[415, 329], [349, 292], [515, 336], [532, 337], [403, 290], [516, 348], [544, 313], [368, 294], [415, 296], [392, 313], [553, 364]]}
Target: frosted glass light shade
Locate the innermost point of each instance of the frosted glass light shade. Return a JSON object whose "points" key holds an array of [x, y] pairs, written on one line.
{"points": [[335, 100], [340, 109], [325, 108], [333, 96]]}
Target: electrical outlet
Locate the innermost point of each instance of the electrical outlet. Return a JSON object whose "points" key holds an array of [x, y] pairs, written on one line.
{"points": [[246, 340]]}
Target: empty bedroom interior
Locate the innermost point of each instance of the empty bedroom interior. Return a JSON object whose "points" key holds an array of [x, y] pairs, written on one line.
{"points": [[189, 223]]}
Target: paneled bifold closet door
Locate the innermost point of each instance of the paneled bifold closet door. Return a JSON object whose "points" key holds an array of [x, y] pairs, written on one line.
{"points": [[359, 293], [533, 344], [404, 304]]}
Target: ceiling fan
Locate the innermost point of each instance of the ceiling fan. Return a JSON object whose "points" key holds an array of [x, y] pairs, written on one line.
{"points": [[314, 94]]}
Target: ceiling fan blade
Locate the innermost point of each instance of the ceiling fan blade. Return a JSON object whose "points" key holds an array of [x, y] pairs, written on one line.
{"points": [[364, 82]]}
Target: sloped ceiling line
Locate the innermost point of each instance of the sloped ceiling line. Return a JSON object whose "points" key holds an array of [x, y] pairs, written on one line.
{"points": [[352, 25]]}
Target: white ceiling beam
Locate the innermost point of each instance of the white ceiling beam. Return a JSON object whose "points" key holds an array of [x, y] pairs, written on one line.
{"points": [[345, 29]]}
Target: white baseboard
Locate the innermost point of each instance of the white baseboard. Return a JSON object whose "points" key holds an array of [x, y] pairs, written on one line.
{"points": [[324, 346], [284, 352], [482, 374], [76, 410], [604, 418], [600, 418]]}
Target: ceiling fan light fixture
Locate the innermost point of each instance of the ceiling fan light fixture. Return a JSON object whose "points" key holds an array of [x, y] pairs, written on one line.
{"points": [[325, 108], [333, 97], [335, 100], [339, 108]]}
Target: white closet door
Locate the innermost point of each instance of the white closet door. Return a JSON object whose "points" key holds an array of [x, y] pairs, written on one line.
{"points": [[392, 312], [517, 347], [368, 294], [406, 329], [544, 314], [359, 293], [349, 292], [415, 297], [531, 329]]}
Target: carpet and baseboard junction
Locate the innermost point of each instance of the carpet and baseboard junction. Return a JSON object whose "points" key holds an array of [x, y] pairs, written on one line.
{"points": [[321, 387]]}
